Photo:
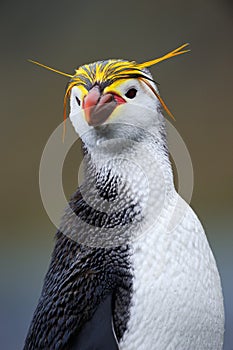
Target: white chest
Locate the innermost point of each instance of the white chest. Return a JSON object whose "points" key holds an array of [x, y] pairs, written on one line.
{"points": [[177, 299]]}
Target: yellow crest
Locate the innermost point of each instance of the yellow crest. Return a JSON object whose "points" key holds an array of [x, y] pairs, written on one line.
{"points": [[106, 72]]}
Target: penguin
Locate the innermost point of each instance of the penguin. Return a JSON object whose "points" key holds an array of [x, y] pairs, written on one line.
{"points": [[131, 267]]}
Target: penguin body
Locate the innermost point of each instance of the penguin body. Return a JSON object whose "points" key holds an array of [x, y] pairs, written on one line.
{"points": [[131, 268]]}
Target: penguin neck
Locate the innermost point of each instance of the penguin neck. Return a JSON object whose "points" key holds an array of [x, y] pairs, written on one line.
{"points": [[126, 188], [138, 165]]}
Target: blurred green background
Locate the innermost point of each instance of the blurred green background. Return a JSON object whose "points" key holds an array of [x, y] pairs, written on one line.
{"points": [[197, 88]]}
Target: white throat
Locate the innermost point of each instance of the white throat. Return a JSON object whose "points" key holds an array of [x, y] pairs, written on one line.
{"points": [[137, 173]]}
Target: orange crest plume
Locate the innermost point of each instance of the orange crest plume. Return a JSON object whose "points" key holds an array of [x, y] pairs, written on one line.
{"points": [[111, 70], [171, 54]]}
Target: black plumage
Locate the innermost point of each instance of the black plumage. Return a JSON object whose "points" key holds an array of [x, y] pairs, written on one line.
{"points": [[85, 289]]}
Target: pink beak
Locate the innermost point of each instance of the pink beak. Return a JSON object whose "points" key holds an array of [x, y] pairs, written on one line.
{"points": [[99, 107]]}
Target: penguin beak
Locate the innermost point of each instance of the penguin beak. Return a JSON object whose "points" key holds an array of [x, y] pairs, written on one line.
{"points": [[98, 107]]}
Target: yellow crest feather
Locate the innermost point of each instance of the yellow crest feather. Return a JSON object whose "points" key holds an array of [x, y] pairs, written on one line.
{"points": [[49, 68], [110, 70], [171, 54]]}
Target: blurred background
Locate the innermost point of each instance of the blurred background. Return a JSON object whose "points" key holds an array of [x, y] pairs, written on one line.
{"points": [[197, 87]]}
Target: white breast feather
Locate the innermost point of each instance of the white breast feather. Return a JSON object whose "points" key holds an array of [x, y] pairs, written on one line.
{"points": [[177, 298]]}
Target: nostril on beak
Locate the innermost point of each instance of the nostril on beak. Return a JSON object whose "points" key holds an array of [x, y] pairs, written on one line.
{"points": [[107, 98]]}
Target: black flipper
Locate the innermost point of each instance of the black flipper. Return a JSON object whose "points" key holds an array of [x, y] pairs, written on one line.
{"points": [[85, 291], [97, 334], [77, 291]]}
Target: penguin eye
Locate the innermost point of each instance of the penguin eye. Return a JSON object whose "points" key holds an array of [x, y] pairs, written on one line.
{"points": [[78, 100], [131, 93]]}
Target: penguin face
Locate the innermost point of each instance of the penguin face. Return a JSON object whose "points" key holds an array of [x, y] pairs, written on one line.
{"points": [[126, 102]]}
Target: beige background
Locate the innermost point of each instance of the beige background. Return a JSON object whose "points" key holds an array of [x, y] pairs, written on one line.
{"points": [[197, 88]]}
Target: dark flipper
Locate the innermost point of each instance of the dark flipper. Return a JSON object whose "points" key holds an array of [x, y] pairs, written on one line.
{"points": [[97, 334], [85, 290], [76, 298]]}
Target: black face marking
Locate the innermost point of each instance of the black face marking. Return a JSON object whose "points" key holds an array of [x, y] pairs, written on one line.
{"points": [[78, 100]]}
